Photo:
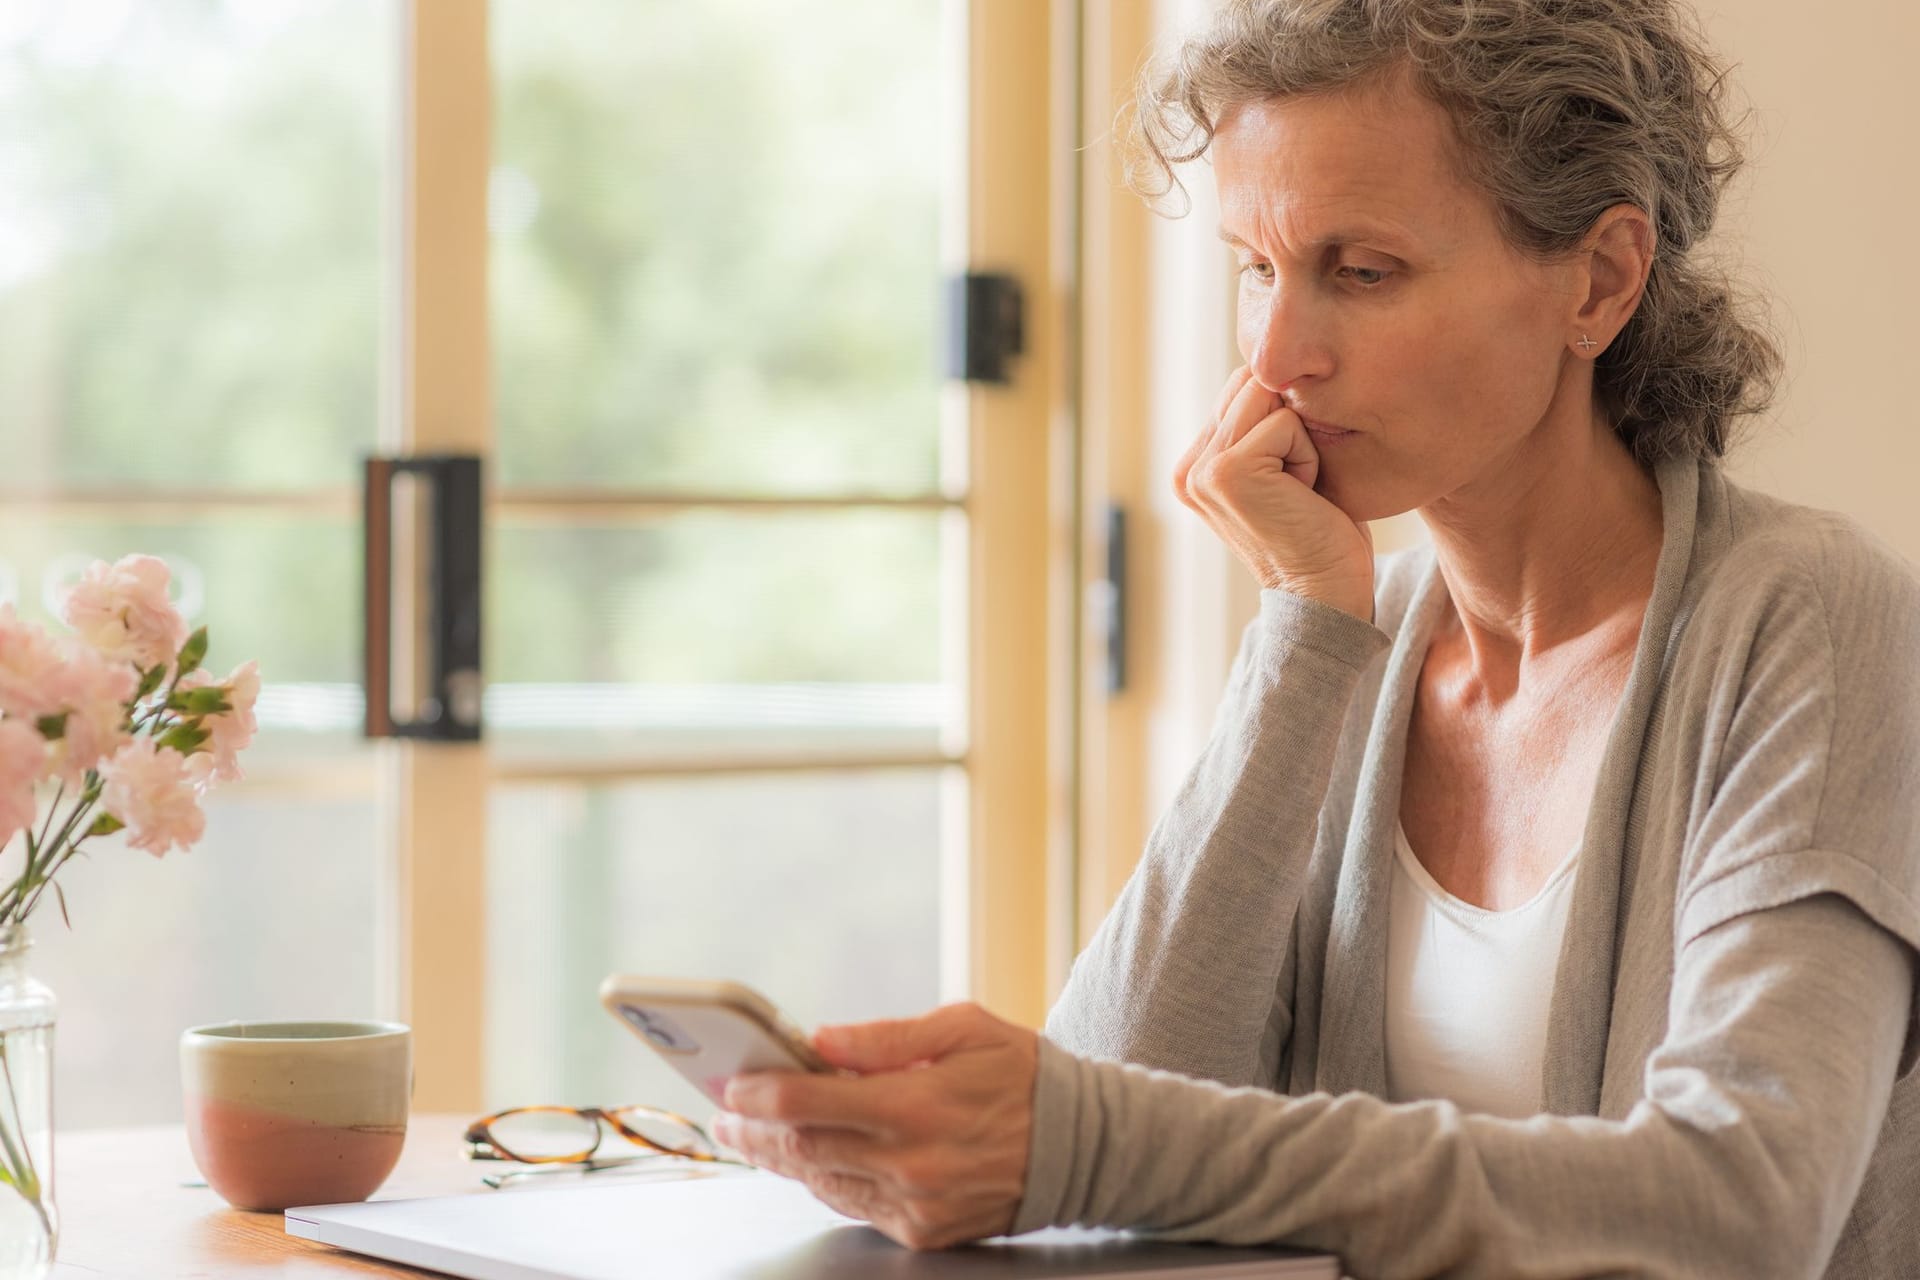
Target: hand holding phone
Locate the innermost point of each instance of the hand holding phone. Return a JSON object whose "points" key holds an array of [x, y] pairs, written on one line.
{"points": [[709, 1031]]}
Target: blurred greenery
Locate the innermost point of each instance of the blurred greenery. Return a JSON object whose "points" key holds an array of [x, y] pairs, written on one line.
{"points": [[191, 285], [713, 268], [715, 247], [708, 597]]}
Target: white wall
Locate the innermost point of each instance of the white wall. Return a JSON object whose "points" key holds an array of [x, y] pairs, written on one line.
{"points": [[1828, 220]]}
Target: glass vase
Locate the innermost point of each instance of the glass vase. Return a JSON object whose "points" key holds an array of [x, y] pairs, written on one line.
{"points": [[29, 1226]]}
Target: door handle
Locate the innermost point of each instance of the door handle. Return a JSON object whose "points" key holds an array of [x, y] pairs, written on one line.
{"points": [[449, 710]]}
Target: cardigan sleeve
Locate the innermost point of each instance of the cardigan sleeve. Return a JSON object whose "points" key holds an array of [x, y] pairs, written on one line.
{"points": [[1160, 984], [1815, 728], [1761, 1110]]}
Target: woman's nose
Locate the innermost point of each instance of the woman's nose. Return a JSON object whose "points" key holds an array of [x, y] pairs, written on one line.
{"points": [[1282, 344]]}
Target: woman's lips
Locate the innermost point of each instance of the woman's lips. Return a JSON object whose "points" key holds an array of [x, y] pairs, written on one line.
{"points": [[1324, 430]]}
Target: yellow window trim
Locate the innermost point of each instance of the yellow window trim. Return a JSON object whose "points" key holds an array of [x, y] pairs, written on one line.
{"points": [[445, 404]]}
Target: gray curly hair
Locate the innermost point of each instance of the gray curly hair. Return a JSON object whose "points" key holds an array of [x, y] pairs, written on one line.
{"points": [[1563, 108]]}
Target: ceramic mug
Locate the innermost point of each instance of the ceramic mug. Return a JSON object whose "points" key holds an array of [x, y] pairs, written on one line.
{"points": [[292, 1113]]}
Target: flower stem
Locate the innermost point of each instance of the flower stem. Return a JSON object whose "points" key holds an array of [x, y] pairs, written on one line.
{"points": [[35, 848], [18, 1157], [63, 847], [25, 893], [60, 793]]}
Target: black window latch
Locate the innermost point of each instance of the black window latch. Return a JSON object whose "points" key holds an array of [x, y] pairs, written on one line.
{"points": [[985, 326]]}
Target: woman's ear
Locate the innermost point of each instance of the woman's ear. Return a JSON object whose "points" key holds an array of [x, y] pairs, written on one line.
{"points": [[1614, 259]]}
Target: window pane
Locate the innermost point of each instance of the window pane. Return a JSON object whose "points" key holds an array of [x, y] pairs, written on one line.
{"points": [[190, 214], [715, 243], [270, 917], [282, 589], [819, 890], [711, 633], [273, 914]]}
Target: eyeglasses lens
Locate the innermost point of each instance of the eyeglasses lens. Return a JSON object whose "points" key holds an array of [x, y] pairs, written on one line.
{"points": [[545, 1135], [666, 1132]]}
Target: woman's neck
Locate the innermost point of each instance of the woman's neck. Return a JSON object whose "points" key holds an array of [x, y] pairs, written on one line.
{"points": [[1559, 541]]}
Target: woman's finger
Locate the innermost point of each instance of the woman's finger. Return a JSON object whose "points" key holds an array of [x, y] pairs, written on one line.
{"points": [[798, 1152], [1252, 403], [891, 1044], [1235, 380], [1209, 434], [1247, 409], [845, 1172], [1282, 435], [869, 1105], [1183, 469]]}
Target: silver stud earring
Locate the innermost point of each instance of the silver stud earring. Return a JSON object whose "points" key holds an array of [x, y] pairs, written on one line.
{"points": [[1586, 343]]}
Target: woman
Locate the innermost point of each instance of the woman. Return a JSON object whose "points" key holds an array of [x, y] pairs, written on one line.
{"points": [[1545, 901]]}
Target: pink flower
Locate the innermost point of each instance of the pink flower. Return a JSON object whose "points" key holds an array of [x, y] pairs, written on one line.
{"points": [[200, 772], [123, 611], [23, 754], [94, 693], [30, 662], [156, 793], [231, 730]]}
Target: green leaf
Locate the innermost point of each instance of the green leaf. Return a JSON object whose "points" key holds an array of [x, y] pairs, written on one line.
{"points": [[52, 728], [150, 680], [205, 701], [194, 651], [185, 738], [60, 895], [105, 825]]}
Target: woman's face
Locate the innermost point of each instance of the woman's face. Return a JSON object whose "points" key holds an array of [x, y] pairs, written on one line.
{"points": [[1376, 296]]}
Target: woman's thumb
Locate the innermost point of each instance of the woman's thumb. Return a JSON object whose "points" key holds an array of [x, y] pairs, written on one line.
{"points": [[893, 1043]]}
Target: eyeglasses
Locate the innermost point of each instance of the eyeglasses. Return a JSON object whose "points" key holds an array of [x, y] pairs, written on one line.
{"points": [[565, 1139]]}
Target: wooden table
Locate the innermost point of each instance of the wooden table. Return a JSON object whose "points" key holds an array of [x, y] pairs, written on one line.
{"points": [[132, 1208]]}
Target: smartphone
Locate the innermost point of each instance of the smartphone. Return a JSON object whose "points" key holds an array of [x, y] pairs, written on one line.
{"points": [[709, 1031]]}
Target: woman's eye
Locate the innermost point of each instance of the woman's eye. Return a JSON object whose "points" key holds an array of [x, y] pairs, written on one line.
{"points": [[1258, 270], [1366, 277]]}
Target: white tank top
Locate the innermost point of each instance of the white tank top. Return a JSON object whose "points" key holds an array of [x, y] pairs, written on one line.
{"points": [[1468, 991]]}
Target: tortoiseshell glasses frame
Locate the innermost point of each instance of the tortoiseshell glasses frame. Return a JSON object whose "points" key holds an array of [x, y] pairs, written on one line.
{"points": [[482, 1144]]}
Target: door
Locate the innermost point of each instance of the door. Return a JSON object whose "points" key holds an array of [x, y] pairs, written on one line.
{"points": [[767, 597]]}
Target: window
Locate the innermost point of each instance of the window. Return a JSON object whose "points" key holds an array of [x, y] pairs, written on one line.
{"points": [[767, 603]]}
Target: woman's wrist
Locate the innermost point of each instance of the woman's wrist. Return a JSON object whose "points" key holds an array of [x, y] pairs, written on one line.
{"points": [[1343, 594]]}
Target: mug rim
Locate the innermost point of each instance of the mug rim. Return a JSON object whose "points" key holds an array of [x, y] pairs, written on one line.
{"points": [[316, 1031]]}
